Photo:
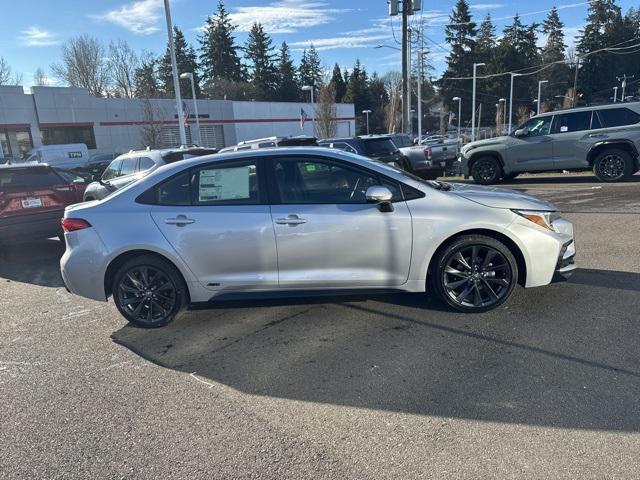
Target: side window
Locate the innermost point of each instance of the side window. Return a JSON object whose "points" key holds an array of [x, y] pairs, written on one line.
{"points": [[572, 122], [319, 181], [128, 166], [112, 170], [175, 191], [343, 146], [145, 163], [617, 117], [227, 184]]}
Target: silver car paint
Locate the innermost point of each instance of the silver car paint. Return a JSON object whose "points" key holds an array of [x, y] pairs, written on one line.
{"points": [[378, 248]]}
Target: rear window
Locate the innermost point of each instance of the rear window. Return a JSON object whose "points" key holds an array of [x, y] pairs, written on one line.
{"points": [[378, 147], [572, 122], [28, 179], [617, 117]]}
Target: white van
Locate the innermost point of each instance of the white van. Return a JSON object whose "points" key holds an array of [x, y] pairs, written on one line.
{"points": [[69, 156]]}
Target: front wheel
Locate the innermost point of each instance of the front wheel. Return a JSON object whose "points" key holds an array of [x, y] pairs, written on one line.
{"points": [[486, 171], [148, 291], [474, 274], [613, 165]]}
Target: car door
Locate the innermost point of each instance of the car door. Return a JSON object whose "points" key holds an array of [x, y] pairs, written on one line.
{"points": [[327, 235], [531, 148], [571, 139], [218, 220]]}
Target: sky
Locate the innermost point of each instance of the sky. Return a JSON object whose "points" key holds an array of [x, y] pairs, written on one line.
{"points": [[33, 30]]}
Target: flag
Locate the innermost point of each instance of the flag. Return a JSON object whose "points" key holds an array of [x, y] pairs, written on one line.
{"points": [[303, 118]]}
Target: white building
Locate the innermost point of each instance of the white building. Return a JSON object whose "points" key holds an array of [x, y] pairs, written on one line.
{"points": [[57, 115]]}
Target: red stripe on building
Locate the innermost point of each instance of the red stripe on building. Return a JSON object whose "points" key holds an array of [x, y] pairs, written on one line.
{"points": [[15, 125], [66, 124], [208, 121]]}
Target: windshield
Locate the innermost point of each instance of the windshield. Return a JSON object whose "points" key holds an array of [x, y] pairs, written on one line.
{"points": [[537, 126], [378, 147]]}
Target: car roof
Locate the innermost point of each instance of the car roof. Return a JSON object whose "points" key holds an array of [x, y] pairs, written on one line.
{"points": [[634, 105], [7, 166]]}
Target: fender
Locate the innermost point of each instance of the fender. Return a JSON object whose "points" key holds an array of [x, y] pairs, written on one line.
{"points": [[628, 143]]}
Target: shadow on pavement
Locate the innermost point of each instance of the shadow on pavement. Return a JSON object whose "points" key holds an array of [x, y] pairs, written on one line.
{"points": [[564, 355], [551, 179], [36, 262]]}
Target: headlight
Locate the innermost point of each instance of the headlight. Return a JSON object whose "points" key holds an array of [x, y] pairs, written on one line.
{"points": [[542, 219]]}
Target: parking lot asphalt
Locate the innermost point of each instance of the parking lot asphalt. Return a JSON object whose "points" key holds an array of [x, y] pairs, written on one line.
{"points": [[393, 386]]}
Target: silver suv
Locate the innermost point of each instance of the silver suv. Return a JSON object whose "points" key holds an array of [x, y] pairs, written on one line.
{"points": [[604, 139]]}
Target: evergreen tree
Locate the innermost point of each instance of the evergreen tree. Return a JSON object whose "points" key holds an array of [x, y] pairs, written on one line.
{"points": [[145, 79], [186, 61], [486, 39], [559, 75], [263, 71], [338, 81], [218, 52], [358, 93], [378, 98], [310, 70], [288, 89]]}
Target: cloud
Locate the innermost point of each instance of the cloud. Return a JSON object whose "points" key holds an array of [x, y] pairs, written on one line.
{"points": [[34, 36], [486, 6], [333, 43], [286, 16], [140, 17]]}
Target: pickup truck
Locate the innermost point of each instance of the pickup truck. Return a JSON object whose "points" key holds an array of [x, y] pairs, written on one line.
{"points": [[444, 152], [429, 160]]}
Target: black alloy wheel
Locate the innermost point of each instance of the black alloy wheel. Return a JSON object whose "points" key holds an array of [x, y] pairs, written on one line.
{"points": [[475, 274], [148, 292], [613, 166], [486, 171]]}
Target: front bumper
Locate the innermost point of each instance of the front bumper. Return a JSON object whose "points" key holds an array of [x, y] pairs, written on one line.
{"points": [[566, 265]]}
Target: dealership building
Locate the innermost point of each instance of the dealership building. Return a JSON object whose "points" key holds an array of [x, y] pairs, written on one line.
{"points": [[59, 115]]}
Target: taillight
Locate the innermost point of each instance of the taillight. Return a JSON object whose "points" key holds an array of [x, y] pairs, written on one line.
{"points": [[73, 224]]}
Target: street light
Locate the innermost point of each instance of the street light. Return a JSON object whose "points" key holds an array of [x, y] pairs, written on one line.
{"points": [[503, 101], [367, 112], [174, 69], [473, 102], [459, 100], [189, 75], [511, 99], [540, 94], [615, 94], [309, 88], [388, 46]]}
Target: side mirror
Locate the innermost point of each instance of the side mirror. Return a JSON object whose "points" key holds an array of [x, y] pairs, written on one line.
{"points": [[380, 195], [521, 132]]}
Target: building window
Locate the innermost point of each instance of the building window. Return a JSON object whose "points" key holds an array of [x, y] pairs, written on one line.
{"points": [[65, 135], [15, 143]]}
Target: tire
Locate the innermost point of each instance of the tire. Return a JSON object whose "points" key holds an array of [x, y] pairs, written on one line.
{"points": [[136, 291], [471, 286], [486, 171], [613, 165], [510, 176]]}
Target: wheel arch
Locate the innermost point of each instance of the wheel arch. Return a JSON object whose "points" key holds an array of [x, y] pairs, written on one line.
{"points": [[123, 257], [599, 147], [501, 237], [489, 153]]}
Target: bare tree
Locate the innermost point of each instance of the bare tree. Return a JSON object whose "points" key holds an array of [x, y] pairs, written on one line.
{"points": [[151, 128], [393, 84], [123, 63], [7, 77], [39, 78], [325, 121], [84, 64], [523, 114]]}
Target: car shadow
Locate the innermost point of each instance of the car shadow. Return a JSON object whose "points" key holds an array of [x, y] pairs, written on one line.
{"points": [[564, 356], [36, 262], [548, 179]]}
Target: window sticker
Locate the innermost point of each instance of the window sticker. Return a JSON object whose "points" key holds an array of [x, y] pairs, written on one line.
{"points": [[564, 129], [224, 184]]}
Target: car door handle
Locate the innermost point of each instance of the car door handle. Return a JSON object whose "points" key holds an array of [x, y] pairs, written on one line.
{"points": [[180, 221], [290, 220], [598, 135]]}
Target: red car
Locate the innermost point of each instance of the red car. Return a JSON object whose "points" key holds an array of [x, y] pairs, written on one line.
{"points": [[32, 200]]}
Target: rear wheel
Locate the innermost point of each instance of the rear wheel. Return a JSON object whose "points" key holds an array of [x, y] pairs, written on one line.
{"points": [[486, 170], [148, 291], [613, 165], [474, 273]]}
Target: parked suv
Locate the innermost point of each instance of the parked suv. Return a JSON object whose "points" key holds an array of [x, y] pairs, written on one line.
{"points": [[377, 147], [604, 139], [134, 165]]}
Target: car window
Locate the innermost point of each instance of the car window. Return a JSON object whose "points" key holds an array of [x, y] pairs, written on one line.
{"points": [[28, 178], [145, 163], [379, 147], [70, 177], [128, 166], [227, 184], [617, 117], [572, 122], [343, 146], [112, 170], [308, 180], [175, 191], [535, 127]]}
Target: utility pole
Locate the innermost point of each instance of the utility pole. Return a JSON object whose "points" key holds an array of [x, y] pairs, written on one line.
{"points": [[575, 82], [420, 64], [624, 79], [176, 81], [405, 65], [473, 102], [540, 94], [615, 94]]}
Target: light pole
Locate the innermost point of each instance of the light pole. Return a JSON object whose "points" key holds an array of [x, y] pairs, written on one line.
{"points": [[540, 94], [309, 88], [459, 100], [411, 112], [615, 94], [503, 102], [473, 102], [367, 112], [174, 68], [189, 75], [511, 100]]}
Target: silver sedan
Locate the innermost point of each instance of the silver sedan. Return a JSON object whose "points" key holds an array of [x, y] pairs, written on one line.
{"points": [[285, 221]]}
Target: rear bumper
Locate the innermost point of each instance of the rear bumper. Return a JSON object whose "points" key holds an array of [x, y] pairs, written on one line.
{"points": [[28, 227]]}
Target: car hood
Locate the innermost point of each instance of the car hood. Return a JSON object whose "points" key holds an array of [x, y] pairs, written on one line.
{"points": [[485, 143], [500, 197]]}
